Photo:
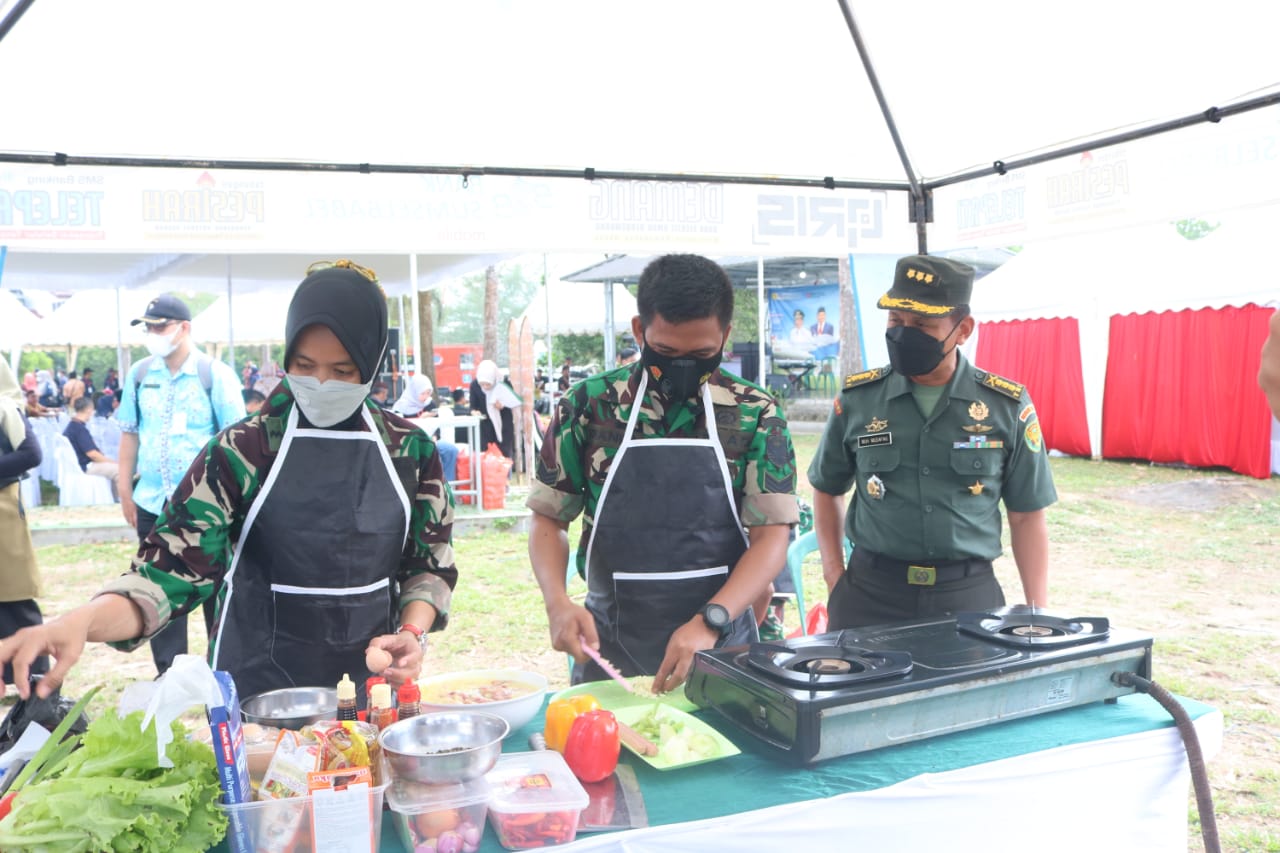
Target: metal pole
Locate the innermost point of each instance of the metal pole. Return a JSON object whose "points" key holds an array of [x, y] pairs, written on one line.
{"points": [[761, 317], [610, 356], [417, 326], [231, 333], [121, 367], [546, 303]]}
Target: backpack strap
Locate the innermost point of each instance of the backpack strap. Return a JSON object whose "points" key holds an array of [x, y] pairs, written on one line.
{"points": [[204, 369], [135, 377]]}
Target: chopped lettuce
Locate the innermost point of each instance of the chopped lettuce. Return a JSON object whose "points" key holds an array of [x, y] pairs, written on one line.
{"points": [[678, 742]]}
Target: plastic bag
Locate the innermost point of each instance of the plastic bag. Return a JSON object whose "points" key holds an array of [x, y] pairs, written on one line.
{"points": [[817, 623], [495, 469], [47, 712], [464, 470]]}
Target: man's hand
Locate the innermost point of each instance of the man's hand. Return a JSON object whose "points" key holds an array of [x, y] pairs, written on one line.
{"points": [[406, 657], [567, 622], [693, 636], [127, 507], [63, 638]]}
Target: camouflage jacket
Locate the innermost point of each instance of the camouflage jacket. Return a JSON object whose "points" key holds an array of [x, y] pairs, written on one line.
{"points": [[587, 428], [180, 563]]}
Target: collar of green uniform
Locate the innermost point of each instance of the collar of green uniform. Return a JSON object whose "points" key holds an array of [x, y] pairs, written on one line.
{"points": [[961, 386]]}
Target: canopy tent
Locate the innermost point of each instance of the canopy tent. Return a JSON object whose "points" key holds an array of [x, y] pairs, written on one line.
{"points": [[900, 130], [1141, 345], [90, 318], [579, 309], [17, 326], [249, 320]]}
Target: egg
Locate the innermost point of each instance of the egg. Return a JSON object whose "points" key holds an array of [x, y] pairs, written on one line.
{"points": [[376, 660]]}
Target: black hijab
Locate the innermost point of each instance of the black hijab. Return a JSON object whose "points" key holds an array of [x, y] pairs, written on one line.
{"points": [[349, 305]]}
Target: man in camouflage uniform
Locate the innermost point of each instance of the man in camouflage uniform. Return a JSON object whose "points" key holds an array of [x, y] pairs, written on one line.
{"points": [[930, 445], [668, 566], [327, 519]]}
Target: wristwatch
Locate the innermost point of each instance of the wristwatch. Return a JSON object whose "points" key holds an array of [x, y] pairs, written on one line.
{"points": [[418, 634], [717, 617]]}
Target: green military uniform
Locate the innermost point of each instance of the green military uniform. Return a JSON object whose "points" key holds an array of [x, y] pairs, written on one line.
{"points": [[588, 428], [925, 515]]}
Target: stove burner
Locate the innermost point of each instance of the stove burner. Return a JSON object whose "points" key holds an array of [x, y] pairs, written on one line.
{"points": [[823, 666], [1025, 627]]}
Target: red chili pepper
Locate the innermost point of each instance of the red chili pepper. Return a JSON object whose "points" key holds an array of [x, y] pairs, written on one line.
{"points": [[591, 750]]}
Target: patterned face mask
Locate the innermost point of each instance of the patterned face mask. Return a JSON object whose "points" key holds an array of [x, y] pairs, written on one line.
{"points": [[678, 377]]}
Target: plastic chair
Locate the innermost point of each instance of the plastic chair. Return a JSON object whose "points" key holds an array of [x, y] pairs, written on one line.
{"points": [[30, 490], [796, 551], [75, 487]]}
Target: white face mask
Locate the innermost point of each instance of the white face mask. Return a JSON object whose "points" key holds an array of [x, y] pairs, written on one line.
{"points": [[162, 345], [327, 403]]}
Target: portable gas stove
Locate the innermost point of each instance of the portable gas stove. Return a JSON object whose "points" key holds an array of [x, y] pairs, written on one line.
{"points": [[848, 691]]}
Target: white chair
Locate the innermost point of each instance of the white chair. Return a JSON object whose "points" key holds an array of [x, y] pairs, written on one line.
{"points": [[75, 487], [106, 434], [47, 433], [30, 490]]}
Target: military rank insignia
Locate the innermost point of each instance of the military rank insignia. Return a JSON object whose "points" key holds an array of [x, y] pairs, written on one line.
{"points": [[853, 380], [875, 488]]}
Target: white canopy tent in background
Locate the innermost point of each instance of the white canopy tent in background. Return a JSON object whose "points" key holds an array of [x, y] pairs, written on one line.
{"points": [[251, 319], [17, 327], [94, 318], [1127, 271], [579, 308]]}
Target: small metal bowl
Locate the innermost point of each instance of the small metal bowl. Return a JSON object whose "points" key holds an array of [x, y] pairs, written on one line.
{"points": [[291, 707], [452, 746]]}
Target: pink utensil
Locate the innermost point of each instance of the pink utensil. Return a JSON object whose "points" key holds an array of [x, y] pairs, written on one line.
{"points": [[609, 669]]}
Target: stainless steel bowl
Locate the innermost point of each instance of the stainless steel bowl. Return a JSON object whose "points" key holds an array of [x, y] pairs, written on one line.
{"points": [[452, 746], [291, 707]]}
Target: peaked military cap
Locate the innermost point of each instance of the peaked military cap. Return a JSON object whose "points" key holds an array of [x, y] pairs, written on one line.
{"points": [[923, 284]]}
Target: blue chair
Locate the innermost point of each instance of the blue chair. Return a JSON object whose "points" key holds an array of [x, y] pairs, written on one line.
{"points": [[796, 551]]}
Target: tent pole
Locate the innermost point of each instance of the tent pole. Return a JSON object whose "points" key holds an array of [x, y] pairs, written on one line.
{"points": [[760, 322], [417, 326], [121, 368], [546, 302], [610, 357], [231, 334]]}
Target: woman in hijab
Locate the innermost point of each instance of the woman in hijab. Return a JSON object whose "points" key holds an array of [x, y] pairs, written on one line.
{"points": [[47, 390], [416, 397], [322, 524], [19, 577], [495, 401]]}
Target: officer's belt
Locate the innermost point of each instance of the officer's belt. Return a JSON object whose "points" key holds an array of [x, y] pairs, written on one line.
{"points": [[919, 572]]}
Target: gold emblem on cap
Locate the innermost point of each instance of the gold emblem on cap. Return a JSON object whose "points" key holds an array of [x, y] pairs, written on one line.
{"points": [[977, 428], [877, 425], [920, 276], [976, 488], [978, 410]]}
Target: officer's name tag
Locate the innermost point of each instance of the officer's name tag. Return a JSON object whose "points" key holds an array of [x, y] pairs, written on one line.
{"points": [[875, 440]]}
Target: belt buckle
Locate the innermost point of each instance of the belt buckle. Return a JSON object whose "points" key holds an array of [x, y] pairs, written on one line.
{"points": [[922, 575]]}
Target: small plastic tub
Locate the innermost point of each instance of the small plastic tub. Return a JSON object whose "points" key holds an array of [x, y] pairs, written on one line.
{"points": [[446, 818], [284, 826], [535, 800]]}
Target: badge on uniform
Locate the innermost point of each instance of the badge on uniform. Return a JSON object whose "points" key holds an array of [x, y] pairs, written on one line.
{"points": [[878, 440], [977, 428], [877, 425], [978, 410], [976, 488], [1034, 439], [875, 488]]}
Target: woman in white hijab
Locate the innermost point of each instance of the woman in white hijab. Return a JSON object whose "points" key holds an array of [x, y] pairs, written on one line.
{"points": [[19, 578], [495, 400], [416, 397]]}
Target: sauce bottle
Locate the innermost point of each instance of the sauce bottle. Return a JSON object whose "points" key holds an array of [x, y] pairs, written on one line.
{"points": [[408, 697], [368, 686], [346, 698], [381, 714]]}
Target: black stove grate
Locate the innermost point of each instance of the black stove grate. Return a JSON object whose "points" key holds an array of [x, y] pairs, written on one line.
{"points": [[1023, 627], [825, 666]]}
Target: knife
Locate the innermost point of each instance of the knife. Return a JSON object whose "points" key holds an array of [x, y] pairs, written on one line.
{"points": [[609, 669]]}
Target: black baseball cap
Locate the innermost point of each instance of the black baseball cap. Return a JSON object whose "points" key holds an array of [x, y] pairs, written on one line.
{"points": [[162, 308]]}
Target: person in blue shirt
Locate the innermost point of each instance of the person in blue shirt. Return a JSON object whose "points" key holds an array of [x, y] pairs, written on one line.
{"points": [[171, 404], [92, 460]]}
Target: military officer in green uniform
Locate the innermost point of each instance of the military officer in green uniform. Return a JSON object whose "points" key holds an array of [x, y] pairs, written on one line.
{"points": [[930, 446]]}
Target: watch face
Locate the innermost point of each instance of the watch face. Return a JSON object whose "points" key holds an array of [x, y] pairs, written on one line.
{"points": [[716, 616]]}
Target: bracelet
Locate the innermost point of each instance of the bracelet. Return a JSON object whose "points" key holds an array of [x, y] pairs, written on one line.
{"points": [[418, 634]]}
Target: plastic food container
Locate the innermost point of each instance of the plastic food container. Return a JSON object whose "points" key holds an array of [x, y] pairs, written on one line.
{"points": [[534, 801], [446, 818], [284, 826]]}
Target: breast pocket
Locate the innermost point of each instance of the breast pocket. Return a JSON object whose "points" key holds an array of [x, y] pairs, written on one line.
{"points": [[876, 468], [979, 472]]}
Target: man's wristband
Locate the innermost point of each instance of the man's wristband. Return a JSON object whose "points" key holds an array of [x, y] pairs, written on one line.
{"points": [[418, 634]]}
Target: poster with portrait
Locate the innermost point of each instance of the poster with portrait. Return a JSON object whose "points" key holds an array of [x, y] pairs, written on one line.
{"points": [[804, 322]]}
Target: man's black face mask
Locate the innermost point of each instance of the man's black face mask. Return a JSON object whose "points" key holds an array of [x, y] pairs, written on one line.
{"points": [[677, 377]]}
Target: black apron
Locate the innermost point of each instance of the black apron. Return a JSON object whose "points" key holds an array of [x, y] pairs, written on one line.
{"points": [[665, 537], [312, 579]]}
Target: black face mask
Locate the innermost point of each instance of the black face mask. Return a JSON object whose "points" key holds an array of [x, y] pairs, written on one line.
{"points": [[913, 352], [677, 378]]}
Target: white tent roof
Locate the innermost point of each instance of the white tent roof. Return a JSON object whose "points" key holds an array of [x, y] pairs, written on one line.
{"points": [[18, 326], [255, 318], [578, 308], [90, 318], [747, 86]]}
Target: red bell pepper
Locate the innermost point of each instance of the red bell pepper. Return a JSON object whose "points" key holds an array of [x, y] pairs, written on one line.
{"points": [[591, 750]]}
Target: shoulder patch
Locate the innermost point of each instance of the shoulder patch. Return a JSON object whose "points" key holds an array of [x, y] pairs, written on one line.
{"points": [[1007, 387], [853, 380]]}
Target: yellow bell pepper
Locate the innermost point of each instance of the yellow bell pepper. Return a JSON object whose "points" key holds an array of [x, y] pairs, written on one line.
{"points": [[560, 716]]}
